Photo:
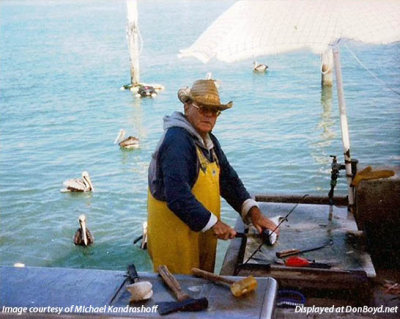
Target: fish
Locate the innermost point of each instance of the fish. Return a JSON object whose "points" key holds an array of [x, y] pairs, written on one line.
{"points": [[271, 237]]}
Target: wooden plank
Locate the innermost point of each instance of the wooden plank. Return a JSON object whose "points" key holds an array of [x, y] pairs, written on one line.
{"points": [[297, 277], [341, 201]]}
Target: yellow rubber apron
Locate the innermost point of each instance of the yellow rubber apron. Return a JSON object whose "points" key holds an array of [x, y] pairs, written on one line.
{"points": [[170, 241]]}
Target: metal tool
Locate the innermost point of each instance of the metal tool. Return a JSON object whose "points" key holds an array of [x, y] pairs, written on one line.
{"points": [[336, 167], [264, 235], [185, 302], [238, 287], [296, 261], [291, 252]]}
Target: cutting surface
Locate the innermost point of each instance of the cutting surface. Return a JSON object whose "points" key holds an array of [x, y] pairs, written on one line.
{"points": [[308, 226]]}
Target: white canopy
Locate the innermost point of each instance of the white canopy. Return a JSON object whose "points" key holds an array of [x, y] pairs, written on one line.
{"points": [[254, 28]]}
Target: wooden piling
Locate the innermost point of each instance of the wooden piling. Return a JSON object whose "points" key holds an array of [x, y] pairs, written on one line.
{"points": [[133, 40], [327, 68]]}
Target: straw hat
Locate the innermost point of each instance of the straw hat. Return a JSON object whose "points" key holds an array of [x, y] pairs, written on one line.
{"points": [[203, 92]]}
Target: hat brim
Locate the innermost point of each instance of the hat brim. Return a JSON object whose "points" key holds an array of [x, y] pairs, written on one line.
{"points": [[184, 96]]}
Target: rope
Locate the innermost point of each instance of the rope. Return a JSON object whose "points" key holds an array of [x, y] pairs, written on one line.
{"points": [[370, 72]]}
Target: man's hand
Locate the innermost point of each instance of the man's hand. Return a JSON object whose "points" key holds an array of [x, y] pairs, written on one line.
{"points": [[261, 222], [223, 231]]}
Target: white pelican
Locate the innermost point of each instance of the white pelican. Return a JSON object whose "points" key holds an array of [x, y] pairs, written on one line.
{"points": [[83, 184], [216, 82], [142, 237], [130, 142], [83, 236], [259, 67], [209, 76]]}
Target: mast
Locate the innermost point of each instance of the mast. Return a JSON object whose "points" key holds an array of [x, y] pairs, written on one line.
{"points": [[133, 40]]}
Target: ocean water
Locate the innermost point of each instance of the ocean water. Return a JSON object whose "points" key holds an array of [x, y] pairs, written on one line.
{"points": [[62, 64]]}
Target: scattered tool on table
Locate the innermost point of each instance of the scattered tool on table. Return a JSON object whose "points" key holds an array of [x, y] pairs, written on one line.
{"points": [[185, 302], [273, 232], [296, 261], [238, 287], [140, 290], [291, 252]]}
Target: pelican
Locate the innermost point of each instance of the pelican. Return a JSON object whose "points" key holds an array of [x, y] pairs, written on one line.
{"points": [[130, 142], [142, 237], [83, 184], [83, 236], [216, 82], [259, 67]]}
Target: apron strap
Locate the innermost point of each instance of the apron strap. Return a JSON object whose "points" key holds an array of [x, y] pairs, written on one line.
{"points": [[203, 160]]}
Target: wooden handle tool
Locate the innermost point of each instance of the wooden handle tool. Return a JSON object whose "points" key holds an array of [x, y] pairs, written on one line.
{"points": [[185, 302], [238, 288], [291, 252], [172, 283]]}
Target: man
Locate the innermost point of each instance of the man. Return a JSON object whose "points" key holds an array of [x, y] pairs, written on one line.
{"points": [[187, 175]]}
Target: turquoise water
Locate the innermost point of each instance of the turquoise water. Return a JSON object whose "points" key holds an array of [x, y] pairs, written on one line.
{"points": [[61, 66]]}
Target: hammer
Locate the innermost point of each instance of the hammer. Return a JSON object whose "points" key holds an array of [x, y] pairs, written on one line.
{"points": [[185, 302], [238, 288]]}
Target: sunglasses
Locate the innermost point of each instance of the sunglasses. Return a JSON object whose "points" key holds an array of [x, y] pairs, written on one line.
{"points": [[203, 110]]}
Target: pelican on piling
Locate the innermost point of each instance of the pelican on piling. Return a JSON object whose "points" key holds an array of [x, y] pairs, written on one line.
{"points": [[83, 184], [258, 67], [130, 142], [83, 236]]}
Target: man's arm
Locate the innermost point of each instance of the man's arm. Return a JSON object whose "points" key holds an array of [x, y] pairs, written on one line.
{"points": [[234, 192]]}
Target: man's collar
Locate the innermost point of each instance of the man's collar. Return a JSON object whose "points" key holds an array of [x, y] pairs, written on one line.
{"points": [[208, 142]]}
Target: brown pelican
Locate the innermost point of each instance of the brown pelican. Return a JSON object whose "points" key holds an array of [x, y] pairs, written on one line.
{"points": [[130, 142], [142, 237], [259, 67], [83, 184], [83, 236]]}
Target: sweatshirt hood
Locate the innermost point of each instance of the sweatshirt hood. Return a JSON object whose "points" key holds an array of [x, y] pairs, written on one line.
{"points": [[178, 119]]}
